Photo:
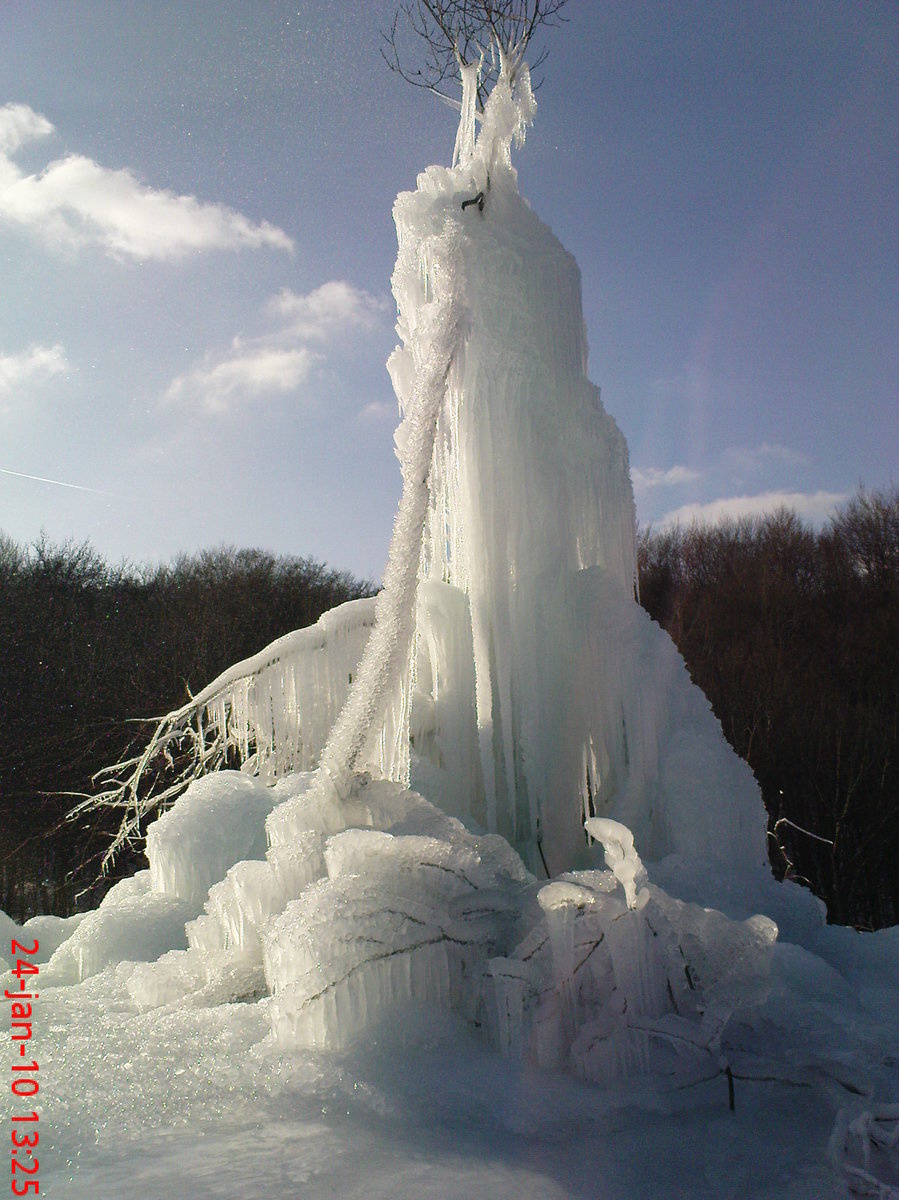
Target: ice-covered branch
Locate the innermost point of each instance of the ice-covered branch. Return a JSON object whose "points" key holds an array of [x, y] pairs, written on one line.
{"points": [[272, 713]]}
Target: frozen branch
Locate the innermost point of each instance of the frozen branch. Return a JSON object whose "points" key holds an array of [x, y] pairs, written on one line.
{"points": [[447, 35]]}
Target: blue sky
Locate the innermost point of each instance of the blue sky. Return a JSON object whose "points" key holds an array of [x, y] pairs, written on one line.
{"points": [[196, 245]]}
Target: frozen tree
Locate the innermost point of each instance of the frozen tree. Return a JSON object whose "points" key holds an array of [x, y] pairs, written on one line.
{"points": [[447, 35]]}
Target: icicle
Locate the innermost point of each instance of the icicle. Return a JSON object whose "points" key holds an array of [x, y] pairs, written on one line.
{"points": [[274, 711], [465, 135]]}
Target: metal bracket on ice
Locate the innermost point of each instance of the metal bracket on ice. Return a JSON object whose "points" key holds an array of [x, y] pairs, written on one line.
{"points": [[479, 199]]}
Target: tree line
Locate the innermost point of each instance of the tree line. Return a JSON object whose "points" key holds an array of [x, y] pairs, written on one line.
{"points": [[793, 634], [89, 655]]}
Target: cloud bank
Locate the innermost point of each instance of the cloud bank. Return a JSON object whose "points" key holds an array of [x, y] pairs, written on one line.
{"points": [[815, 507], [747, 481], [76, 202]]}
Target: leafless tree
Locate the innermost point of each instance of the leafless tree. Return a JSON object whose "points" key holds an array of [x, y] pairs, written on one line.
{"points": [[456, 33], [867, 527]]}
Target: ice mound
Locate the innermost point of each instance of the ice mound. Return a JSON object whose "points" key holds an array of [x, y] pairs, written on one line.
{"points": [[218, 821], [596, 972], [50, 931], [132, 924], [399, 916], [513, 715], [211, 848], [608, 990], [197, 979]]}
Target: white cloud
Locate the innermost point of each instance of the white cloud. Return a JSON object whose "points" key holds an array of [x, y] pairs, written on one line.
{"points": [[31, 367], [20, 125], [334, 307], [244, 374], [75, 201], [379, 410], [654, 477], [812, 506], [278, 361]]}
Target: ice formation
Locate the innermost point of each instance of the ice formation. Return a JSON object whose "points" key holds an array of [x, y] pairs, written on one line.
{"points": [[274, 711], [509, 675], [442, 792]]}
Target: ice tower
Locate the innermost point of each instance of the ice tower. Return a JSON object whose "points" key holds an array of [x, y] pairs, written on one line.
{"points": [[507, 672], [540, 694]]}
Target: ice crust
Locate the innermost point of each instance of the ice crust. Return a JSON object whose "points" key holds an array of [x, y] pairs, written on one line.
{"points": [[221, 821]]}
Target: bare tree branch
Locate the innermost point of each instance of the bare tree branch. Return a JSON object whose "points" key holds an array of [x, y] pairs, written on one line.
{"points": [[449, 34]]}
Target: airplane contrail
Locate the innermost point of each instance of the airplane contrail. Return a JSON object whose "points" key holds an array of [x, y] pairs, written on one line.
{"points": [[56, 482]]}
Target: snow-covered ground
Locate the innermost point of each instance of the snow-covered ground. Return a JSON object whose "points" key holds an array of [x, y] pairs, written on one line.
{"points": [[167, 1070], [200, 1102]]}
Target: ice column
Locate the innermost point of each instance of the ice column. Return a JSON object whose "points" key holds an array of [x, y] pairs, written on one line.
{"points": [[529, 488]]}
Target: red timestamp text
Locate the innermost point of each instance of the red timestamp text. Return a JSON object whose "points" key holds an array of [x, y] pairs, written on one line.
{"points": [[24, 1135]]}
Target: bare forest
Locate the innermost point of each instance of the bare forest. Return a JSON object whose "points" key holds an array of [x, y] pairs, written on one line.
{"points": [[790, 631]]}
